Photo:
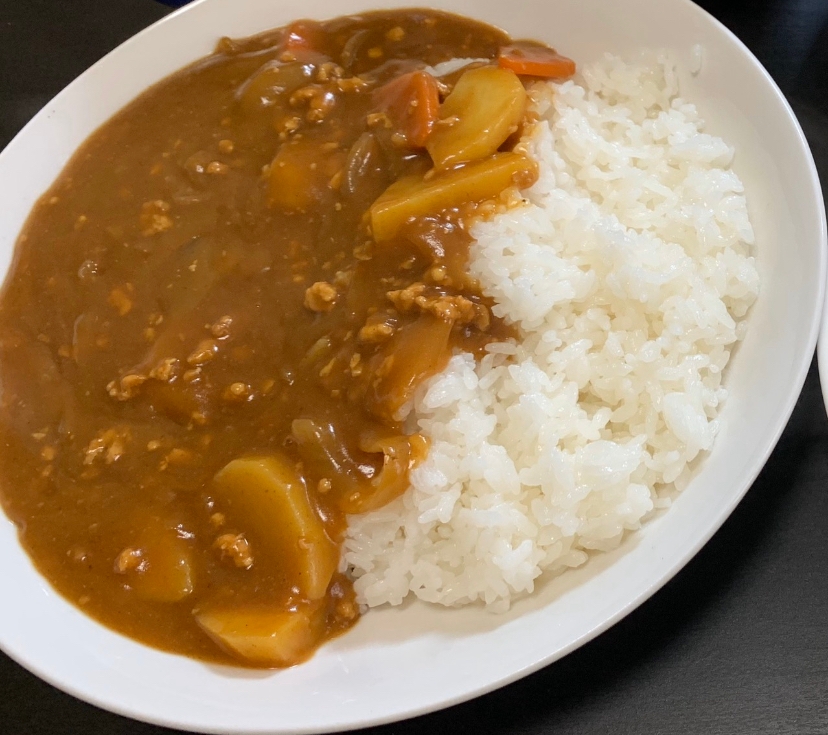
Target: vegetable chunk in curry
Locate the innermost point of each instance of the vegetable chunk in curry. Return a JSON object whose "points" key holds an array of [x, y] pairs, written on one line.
{"points": [[219, 314]]}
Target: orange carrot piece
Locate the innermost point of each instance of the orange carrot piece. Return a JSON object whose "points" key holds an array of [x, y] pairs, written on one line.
{"points": [[301, 35], [412, 103], [535, 61]]}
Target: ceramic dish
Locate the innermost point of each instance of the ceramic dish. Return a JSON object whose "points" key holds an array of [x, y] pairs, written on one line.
{"points": [[402, 662]]}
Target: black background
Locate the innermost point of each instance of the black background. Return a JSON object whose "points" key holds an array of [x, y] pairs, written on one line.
{"points": [[736, 643]]}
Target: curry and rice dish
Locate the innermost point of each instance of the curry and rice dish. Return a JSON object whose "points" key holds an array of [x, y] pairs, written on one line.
{"points": [[354, 310]]}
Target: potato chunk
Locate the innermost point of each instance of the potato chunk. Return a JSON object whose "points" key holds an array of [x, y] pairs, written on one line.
{"points": [[269, 498], [301, 175], [485, 107], [418, 196], [275, 638], [159, 566]]}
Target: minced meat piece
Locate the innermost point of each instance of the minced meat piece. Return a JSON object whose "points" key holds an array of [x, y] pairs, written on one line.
{"points": [[321, 296]]}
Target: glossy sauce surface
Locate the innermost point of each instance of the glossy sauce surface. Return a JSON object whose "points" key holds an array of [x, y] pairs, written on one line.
{"points": [[200, 286]]}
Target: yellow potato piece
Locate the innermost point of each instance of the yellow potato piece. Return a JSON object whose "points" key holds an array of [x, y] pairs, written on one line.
{"points": [[265, 637], [269, 498], [301, 175], [485, 107], [417, 196], [165, 572]]}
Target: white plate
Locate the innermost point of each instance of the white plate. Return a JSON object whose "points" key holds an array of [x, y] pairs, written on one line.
{"points": [[402, 662]]}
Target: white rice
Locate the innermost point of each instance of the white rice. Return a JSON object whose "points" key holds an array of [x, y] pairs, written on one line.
{"points": [[628, 272]]}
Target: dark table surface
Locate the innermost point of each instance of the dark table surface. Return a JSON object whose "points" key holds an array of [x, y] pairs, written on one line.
{"points": [[736, 643]]}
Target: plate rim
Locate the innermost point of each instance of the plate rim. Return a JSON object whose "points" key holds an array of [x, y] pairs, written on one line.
{"points": [[818, 328]]}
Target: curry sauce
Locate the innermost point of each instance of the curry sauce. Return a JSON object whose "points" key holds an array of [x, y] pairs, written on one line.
{"points": [[218, 316]]}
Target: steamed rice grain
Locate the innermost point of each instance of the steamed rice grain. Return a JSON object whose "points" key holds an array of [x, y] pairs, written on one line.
{"points": [[627, 271]]}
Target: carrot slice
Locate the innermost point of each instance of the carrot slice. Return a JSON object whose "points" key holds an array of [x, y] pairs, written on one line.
{"points": [[301, 35], [412, 102], [534, 60]]}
